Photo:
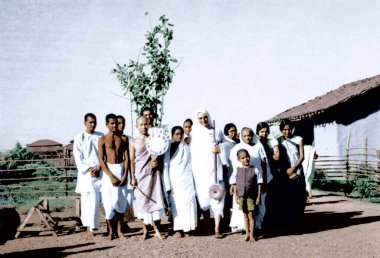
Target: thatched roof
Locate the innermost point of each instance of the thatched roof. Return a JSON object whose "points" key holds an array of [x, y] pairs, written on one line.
{"points": [[321, 104], [45, 146]]}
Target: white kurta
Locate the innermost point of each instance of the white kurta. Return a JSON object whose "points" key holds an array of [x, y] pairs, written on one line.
{"points": [[114, 197], [203, 165], [237, 216], [178, 178], [85, 150]]}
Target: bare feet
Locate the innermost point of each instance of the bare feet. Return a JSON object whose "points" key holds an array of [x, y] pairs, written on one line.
{"points": [[252, 239], [110, 236], [120, 235], [144, 235], [246, 238], [218, 235], [178, 234], [89, 233], [159, 236]]}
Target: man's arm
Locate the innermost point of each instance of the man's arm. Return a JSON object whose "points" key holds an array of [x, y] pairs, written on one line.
{"points": [[124, 178], [80, 161], [132, 163], [265, 175], [102, 164]]}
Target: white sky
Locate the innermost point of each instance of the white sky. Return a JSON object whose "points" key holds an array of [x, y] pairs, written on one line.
{"points": [[245, 61]]}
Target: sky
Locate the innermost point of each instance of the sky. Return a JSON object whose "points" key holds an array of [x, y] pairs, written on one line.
{"points": [[244, 61]]}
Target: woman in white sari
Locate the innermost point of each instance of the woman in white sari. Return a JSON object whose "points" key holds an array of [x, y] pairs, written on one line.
{"points": [[179, 184], [205, 159]]}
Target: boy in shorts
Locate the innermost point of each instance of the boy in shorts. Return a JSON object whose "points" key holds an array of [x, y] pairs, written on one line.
{"points": [[248, 191]]}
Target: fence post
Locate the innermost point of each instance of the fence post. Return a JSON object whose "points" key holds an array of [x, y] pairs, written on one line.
{"points": [[378, 167], [366, 156], [66, 178], [348, 156]]}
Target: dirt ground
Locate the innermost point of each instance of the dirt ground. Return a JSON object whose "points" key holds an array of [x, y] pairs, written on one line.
{"points": [[333, 226]]}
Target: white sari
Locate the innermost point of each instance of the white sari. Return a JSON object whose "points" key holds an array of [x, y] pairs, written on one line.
{"points": [[178, 178], [292, 149], [203, 164]]}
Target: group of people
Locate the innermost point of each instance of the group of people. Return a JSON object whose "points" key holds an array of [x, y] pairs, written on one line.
{"points": [[244, 185]]}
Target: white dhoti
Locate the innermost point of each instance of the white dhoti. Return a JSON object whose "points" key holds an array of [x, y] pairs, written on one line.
{"points": [[237, 217], [114, 198], [90, 209]]}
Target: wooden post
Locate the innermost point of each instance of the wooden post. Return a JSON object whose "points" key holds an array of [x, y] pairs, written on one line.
{"points": [[66, 182], [65, 173], [348, 156], [366, 155], [378, 166]]}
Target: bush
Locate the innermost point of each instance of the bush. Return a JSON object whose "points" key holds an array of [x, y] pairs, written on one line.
{"points": [[357, 186]]}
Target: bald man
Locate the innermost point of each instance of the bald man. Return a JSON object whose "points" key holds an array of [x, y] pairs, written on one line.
{"points": [[146, 178]]}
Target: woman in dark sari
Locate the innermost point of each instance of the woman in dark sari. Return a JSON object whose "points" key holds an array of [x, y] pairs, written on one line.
{"points": [[286, 200]]}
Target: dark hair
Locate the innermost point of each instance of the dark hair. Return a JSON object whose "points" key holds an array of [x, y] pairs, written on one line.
{"points": [[241, 151], [175, 128], [188, 121], [120, 117], [228, 127], [110, 116], [262, 125], [148, 109], [286, 122], [89, 115]]}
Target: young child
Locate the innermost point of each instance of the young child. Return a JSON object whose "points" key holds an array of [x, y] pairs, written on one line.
{"points": [[248, 191]]}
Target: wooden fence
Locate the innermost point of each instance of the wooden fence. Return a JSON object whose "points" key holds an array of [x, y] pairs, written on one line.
{"points": [[36, 178], [357, 163]]}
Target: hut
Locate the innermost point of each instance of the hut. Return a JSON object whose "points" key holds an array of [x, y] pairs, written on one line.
{"points": [[68, 153], [46, 148], [346, 117]]}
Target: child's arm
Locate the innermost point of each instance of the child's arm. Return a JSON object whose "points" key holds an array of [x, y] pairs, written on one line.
{"points": [[258, 199], [233, 192]]}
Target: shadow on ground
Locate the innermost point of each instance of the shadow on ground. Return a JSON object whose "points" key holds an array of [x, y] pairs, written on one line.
{"points": [[313, 222], [55, 251]]}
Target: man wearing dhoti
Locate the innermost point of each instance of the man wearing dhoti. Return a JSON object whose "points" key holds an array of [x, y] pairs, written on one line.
{"points": [[179, 183], [85, 151], [146, 178], [114, 161], [205, 160]]}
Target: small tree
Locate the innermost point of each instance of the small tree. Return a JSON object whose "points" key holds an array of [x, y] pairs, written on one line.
{"points": [[148, 81]]}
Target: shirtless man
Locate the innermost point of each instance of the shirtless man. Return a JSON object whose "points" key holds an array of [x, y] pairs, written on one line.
{"points": [[146, 178], [120, 128], [114, 161]]}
